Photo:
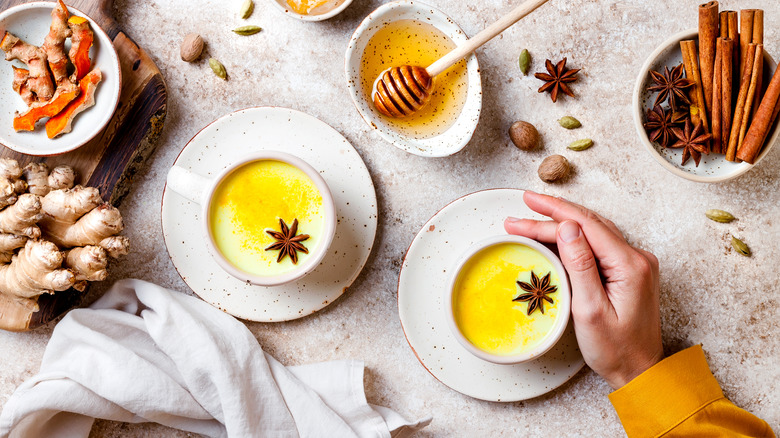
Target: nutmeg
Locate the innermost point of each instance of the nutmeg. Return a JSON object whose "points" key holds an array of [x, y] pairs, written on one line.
{"points": [[524, 135], [554, 168], [191, 47]]}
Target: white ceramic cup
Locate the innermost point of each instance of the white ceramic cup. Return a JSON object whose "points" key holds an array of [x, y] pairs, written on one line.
{"points": [[201, 190], [563, 295]]}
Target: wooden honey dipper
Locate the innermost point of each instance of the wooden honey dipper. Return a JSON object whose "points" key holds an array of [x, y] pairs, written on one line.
{"points": [[400, 91]]}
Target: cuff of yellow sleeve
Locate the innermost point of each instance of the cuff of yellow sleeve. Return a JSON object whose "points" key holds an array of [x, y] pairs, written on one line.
{"points": [[666, 394]]}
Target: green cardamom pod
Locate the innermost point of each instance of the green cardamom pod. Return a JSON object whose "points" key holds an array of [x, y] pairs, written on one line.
{"points": [[581, 145], [569, 122], [218, 68], [719, 215], [740, 246], [524, 61], [247, 30], [246, 9]]}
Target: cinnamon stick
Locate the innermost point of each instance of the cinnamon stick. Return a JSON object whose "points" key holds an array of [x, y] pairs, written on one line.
{"points": [[727, 83], [733, 23], [692, 72], [724, 25], [762, 122], [758, 38], [739, 110], [745, 35], [717, 98], [708, 34], [758, 63]]}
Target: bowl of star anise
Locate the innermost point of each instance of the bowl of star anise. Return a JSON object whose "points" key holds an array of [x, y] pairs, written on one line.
{"points": [[701, 139]]}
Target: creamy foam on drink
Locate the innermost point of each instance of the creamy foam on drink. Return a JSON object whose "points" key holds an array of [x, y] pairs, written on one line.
{"points": [[483, 298], [250, 201]]}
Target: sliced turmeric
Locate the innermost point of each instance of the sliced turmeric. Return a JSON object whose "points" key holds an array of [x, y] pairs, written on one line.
{"points": [[61, 123], [62, 97], [81, 42]]}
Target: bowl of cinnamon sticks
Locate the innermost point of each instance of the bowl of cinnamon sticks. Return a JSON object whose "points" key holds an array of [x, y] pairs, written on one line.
{"points": [[706, 100]]}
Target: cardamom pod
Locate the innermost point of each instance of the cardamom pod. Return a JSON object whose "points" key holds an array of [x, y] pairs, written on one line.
{"points": [[569, 122], [524, 61], [581, 145], [247, 30], [218, 68], [246, 9], [719, 215], [740, 246]]}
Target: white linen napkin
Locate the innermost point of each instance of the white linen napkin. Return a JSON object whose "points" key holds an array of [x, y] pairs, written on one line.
{"points": [[143, 353]]}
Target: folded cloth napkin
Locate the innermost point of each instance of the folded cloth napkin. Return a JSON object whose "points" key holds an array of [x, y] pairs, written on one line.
{"points": [[143, 353]]}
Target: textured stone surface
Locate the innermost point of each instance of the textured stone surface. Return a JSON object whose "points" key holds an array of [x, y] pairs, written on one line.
{"points": [[710, 295]]}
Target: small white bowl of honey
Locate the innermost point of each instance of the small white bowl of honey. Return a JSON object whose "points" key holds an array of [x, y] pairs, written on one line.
{"points": [[311, 10], [413, 33]]}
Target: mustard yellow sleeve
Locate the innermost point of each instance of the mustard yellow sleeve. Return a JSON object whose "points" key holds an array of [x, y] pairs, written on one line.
{"points": [[679, 396]]}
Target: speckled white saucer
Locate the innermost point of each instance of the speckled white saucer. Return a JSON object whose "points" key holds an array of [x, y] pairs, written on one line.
{"points": [[425, 274], [228, 139]]}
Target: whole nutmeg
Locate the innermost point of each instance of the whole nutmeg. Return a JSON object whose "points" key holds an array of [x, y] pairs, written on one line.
{"points": [[524, 135], [191, 47], [554, 168]]}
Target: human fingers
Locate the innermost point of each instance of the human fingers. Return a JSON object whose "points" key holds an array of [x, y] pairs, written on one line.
{"points": [[543, 231], [589, 300], [603, 240]]}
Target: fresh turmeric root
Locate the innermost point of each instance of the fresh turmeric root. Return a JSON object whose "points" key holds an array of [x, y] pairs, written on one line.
{"points": [[39, 81], [82, 39], [21, 87], [62, 122], [54, 44]]}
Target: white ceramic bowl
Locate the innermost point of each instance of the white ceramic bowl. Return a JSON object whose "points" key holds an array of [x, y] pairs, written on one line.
{"points": [[329, 10], [459, 134], [563, 295], [713, 167], [31, 22]]}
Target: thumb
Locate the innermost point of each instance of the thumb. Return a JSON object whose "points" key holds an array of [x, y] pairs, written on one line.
{"points": [[577, 257]]}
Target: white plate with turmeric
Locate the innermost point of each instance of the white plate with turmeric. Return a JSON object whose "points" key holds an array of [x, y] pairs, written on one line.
{"points": [[233, 137], [53, 100], [425, 275]]}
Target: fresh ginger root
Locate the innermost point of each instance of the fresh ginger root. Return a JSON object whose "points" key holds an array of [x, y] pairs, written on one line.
{"points": [[34, 271], [39, 82], [21, 217], [88, 263], [8, 243], [54, 44], [63, 235]]}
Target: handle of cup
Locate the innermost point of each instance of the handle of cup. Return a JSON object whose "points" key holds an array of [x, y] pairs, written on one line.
{"points": [[188, 184]]}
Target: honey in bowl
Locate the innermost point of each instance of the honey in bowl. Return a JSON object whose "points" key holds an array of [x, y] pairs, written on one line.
{"points": [[484, 301], [250, 201], [413, 42]]}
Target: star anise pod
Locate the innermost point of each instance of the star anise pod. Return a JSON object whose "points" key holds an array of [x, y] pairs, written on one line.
{"points": [[660, 123], [557, 79], [288, 244], [670, 85], [694, 139], [537, 292]]}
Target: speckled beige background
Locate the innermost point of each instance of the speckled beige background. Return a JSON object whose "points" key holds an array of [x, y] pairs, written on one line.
{"points": [[710, 295]]}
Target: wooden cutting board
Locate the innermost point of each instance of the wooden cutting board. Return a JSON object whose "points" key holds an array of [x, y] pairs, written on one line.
{"points": [[112, 158]]}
